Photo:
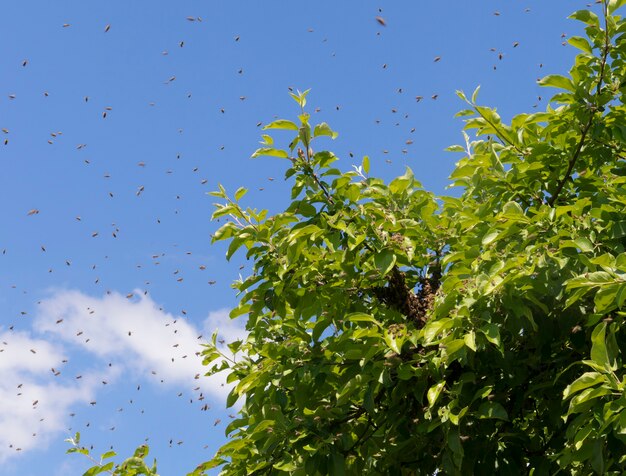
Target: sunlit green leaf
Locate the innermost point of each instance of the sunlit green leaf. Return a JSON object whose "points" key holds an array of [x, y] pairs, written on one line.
{"points": [[241, 191], [281, 124], [271, 152], [586, 16], [580, 43], [324, 129], [557, 81], [599, 353], [365, 165], [588, 379], [434, 392]]}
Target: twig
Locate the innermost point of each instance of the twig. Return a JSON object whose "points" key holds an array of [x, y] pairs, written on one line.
{"points": [[572, 162], [499, 133], [585, 130]]}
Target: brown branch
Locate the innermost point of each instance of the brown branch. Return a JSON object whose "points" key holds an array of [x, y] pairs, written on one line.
{"points": [[585, 130], [309, 171], [572, 162], [360, 439], [321, 185]]}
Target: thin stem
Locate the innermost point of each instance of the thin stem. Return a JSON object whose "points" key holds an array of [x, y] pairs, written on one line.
{"points": [[308, 170], [321, 185], [98, 463], [499, 135], [572, 162], [360, 439], [587, 126]]}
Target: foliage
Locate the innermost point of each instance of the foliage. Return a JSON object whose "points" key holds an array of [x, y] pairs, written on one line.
{"points": [[133, 466], [395, 332]]}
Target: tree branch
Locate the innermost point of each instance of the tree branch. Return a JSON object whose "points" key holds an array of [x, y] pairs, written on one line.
{"points": [[312, 174], [572, 162], [581, 142]]}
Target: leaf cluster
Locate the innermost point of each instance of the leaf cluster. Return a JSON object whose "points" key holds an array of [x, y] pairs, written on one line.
{"points": [[391, 331]]}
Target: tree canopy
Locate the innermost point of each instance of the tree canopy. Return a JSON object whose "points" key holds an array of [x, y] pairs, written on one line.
{"points": [[392, 331]]}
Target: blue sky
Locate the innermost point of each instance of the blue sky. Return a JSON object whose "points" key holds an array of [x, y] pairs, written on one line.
{"points": [[114, 137]]}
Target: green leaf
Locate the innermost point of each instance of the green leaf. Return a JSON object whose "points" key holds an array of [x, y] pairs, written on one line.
{"points": [[620, 296], [241, 191], [223, 210], [300, 98], [490, 237], [586, 380], [513, 211], [394, 341], [605, 299], [470, 340], [267, 140], [324, 158], [224, 232], [305, 134], [232, 397], [455, 148], [286, 465], [599, 352], [271, 152], [557, 81], [365, 165], [339, 464], [584, 244], [490, 115], [597, 278], [75, 440], [324, 129], [235, 346], [475, 94], [141, 451], [433, 393], [492, 410], [455, 349], [586, 399], [282, 124], [618, 230], [384, 260], [352, 192], [95, 470], [597, 458], [400, 184], [492, 333], [581, 43], [586, 16], [614, 5], [434, 328], [622, 422], [361, 317], [108, 454]]}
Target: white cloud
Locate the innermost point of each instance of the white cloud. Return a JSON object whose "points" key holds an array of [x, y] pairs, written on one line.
{"points": [[134, 333], [228, 329], [35, 404], [72, 330]]}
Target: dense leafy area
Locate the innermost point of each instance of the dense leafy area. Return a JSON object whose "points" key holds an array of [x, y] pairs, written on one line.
{"points": [[391, 331], [134, 466]]}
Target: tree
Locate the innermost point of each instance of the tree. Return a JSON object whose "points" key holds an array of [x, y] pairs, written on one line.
{"points": [[395, 332]]}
